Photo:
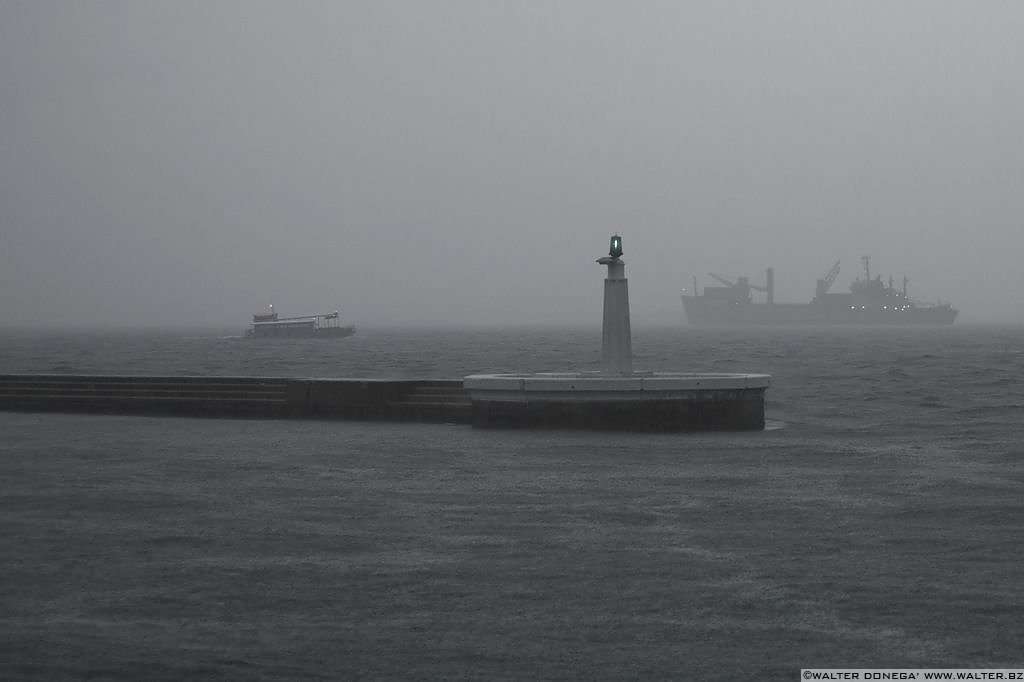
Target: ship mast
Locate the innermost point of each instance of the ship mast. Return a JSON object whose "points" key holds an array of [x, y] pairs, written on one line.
{"points": [[867, 266]]}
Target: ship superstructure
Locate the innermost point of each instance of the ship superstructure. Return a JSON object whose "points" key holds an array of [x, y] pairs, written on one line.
{"points": [[270, 325]]}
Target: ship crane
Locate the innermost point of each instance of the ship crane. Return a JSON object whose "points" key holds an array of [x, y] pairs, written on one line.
{"points": [[727, 282], [829, 279], [826, 282], [742, 282]]}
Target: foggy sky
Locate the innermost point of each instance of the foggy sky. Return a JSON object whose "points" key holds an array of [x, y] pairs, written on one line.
{"points": [[186, 163]]}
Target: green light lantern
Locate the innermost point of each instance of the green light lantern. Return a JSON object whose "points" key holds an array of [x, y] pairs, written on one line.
{"points": [[615, 247]]}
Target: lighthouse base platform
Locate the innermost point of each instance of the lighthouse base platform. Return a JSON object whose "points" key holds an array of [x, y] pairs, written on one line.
{"points": [[652, 401]]}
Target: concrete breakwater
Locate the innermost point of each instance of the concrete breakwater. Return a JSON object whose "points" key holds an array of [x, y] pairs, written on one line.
{"points": [[701, 403], [430, 401]]}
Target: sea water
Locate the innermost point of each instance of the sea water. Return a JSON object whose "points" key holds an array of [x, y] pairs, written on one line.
{"points": [[878, 522]]}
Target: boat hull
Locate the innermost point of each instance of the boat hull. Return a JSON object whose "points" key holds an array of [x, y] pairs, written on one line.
{"points": [[702, 312], [301, 333]]}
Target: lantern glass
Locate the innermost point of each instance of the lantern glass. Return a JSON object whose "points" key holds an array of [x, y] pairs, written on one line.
{"points": [[615, 247]]}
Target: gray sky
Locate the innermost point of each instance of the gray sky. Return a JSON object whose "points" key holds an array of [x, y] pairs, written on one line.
{"points": [[441, 162]]}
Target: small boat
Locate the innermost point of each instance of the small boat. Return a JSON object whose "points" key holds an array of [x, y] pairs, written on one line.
{"points": [[269, 325]]}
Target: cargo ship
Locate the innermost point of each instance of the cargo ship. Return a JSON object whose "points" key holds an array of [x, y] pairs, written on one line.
{"points": [[869, 302], [269, 325]]}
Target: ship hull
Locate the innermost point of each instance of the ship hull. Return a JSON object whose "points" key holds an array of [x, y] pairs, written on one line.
{"points": [[701, 312], [300, 333]]}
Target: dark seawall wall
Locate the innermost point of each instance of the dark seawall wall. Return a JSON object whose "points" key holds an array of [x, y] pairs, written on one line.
{"points": [[428, 401], [239, 397]]}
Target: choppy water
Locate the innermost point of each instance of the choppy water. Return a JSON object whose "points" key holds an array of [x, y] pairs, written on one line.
{"points": [[880, 524]]}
